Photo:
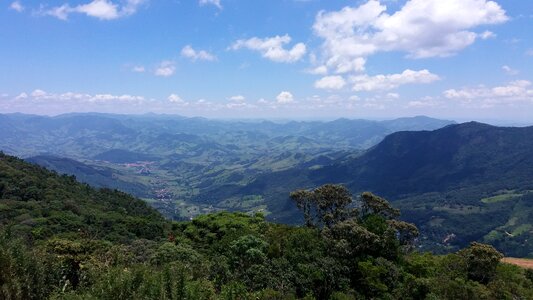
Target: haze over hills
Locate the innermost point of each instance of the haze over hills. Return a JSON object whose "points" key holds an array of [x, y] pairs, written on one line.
{"points": [[459, 183], [169, 160]]}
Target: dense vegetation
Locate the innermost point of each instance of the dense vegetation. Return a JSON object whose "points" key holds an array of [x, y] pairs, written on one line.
{"points": [[462, 183], [60, 239], [458, 184]]}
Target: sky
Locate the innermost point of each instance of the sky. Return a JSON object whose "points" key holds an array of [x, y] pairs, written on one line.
{"points": [[298, 59]]}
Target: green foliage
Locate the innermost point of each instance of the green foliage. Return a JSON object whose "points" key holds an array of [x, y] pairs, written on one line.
{"points": [[324, 206], [481, 261], [39, 204], [107, 245]]}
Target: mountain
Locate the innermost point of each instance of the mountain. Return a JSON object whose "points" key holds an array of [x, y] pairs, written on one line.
{"points": [[88, 135], [463, 182], [38, 204], [61, 239], [96, 176], [170, 160]]}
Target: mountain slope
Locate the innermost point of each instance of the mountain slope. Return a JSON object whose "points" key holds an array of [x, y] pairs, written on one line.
{"points": [[99, 177], [40, 204], [456, 156], [460, 183]]}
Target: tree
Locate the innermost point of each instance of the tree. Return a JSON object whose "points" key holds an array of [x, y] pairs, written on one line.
{"points": [[324, 206], [372, 204], [481, 261]]}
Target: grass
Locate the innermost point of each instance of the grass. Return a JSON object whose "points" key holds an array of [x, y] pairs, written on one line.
{"points": [[459, 209], [508, 195]]}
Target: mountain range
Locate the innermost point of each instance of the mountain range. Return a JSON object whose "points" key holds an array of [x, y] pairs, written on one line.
{"points": [[457, 182]]}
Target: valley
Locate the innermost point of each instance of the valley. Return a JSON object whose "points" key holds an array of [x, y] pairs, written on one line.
{"points": [[457, 183]]}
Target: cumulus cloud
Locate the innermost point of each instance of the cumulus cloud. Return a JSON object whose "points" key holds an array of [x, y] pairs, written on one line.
{"points": [[237, 98], [100, 9], [175, 99], [419, 28], [39, 95], [273, 48], [189, 52], [391, 81], [422, 104], [285, 97], [509, 71], [487, 35], [422, 28], [165, 69], [43, 102], [320, 70], [16, 6], [211, 2], [330, 83], [511, 93]]}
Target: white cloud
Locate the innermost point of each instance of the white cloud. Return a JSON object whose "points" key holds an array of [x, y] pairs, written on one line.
{"points": [[131, 7], [343, 65], [391, 81], [60, 12], [330, 82], [238, 98], [272, 48], [40, 95], [21, 96], [16, 6], [100, 9], [195, 55], [393, 95], [487, 35], [510, 71], [420, 28], [211, 2], [511, 93], [175, 99], [320, 70], [529, 52], [285, 97], [423, 103], [165, 69], [138, 69]]}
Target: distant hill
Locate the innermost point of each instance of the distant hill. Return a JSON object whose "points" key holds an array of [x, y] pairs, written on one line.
{"points": [[170, 160], [38, 204], [463, 182], [88, 135], [457, 156], [99, 177]]}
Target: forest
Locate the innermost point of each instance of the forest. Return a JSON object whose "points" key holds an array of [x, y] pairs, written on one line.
{"points": [[61, 239]]}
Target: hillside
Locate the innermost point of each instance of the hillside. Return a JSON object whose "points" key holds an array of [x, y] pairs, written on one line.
{"points": [[170, 160], [38, 204], [60, 239], [460, 183], [96, 176]]}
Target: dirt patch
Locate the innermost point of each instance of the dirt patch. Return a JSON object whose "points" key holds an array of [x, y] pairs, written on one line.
{"points": [[521, 262]]}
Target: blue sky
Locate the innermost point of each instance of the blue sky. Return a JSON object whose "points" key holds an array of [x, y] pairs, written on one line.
{"points": [[460, 59]]}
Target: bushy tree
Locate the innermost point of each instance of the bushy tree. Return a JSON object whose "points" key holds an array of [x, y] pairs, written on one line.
{"points": [[481, 261]]}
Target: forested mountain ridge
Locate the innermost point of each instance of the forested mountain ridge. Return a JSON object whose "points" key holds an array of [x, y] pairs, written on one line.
{"points": [[463, 182], [60, 239], [169, 160], [38, 204]]}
